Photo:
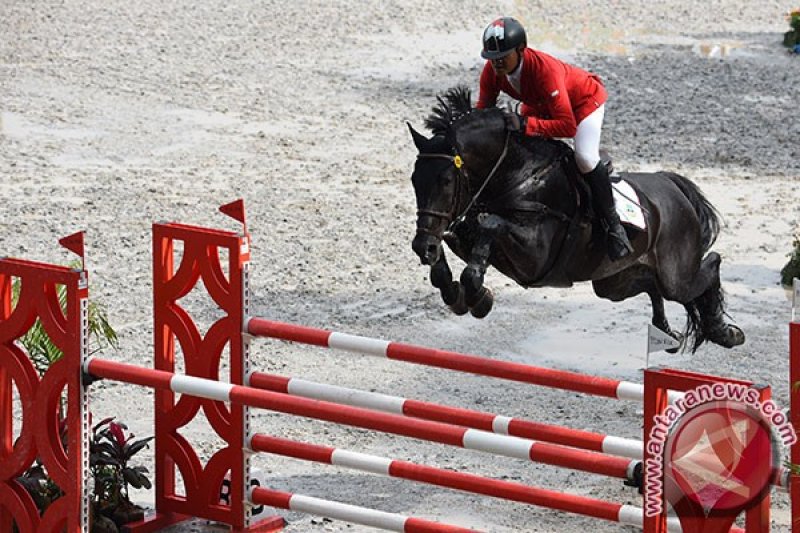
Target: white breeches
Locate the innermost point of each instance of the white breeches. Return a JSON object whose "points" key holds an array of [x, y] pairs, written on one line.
{"points": [[587, 140]]}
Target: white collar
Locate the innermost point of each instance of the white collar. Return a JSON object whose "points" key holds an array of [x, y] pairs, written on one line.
{"points": [[515, 77]]}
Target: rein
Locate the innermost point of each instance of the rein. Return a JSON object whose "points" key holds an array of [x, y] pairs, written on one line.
{"points": [[458, 163], [554, 267]]}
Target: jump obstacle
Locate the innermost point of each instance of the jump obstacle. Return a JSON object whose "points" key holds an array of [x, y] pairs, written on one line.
{"points": [[227, 407]]}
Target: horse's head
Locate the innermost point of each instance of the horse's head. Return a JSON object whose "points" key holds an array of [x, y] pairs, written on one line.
{"points": [[450, 165]]}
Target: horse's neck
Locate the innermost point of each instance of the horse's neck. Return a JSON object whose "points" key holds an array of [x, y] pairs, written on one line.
{"points": [[542, 149], [526, 161], [528, 175]]}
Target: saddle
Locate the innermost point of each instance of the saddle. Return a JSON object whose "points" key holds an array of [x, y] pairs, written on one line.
{"points": [[556, 274]]}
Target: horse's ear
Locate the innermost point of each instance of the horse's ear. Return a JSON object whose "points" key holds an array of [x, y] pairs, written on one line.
{"points": [[420, 140]]}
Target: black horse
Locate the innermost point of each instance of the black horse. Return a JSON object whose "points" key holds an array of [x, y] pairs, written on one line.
{"points": [[519, 204]]}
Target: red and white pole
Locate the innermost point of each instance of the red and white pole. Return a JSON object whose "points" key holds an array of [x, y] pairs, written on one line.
{"points": [[518, 492], [541, 452], [349, 513], [547, 377], [502, 425]]}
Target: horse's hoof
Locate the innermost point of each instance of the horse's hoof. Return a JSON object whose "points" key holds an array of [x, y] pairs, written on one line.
{"points": [[459, 308], [728, 336], [454, 297], [678, 336], [735, 336], [484, 304]]}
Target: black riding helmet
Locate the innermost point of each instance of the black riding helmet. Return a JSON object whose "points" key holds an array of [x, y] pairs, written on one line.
{"points": [[502, 37]]}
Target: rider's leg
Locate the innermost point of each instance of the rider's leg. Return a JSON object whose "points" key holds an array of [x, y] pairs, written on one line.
{"points": [[587, 157]]}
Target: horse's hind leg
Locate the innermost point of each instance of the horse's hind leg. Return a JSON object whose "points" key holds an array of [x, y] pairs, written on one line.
{"points": [[704, 302], [710, 307], [707, 311], [631, 282]]}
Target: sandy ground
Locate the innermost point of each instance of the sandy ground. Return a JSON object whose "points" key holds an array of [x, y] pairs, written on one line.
{"points": [[117, 114]]}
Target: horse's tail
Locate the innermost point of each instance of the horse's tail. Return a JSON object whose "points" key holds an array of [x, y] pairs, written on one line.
{"points": [[699, 323], [706, 213], [704, 317]]}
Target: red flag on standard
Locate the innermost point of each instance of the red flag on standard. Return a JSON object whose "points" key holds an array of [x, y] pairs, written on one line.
{"points": [[73, 243], [235, 210]]}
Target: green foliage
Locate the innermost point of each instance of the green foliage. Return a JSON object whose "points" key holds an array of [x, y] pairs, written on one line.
{"points": [[793, 17], [791, 269], [41, 349], [39, 485], [110, 450], [791, 38], [110, 454]]}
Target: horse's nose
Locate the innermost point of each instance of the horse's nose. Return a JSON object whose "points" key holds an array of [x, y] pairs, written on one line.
{"points": [[427, 248], [419, 244]]}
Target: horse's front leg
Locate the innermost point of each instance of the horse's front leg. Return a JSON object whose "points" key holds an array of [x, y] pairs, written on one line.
{"points": [[480, 298], [452, 291]]}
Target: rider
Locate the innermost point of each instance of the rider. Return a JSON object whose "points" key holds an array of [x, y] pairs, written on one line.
{"points": [[558, 100]]}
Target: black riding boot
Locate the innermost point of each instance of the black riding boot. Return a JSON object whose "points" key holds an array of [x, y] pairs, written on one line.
{"points": [[618, 244]]}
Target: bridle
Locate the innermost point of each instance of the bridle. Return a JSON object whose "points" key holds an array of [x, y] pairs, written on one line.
{"points": [[458, 162], [570, 222]]}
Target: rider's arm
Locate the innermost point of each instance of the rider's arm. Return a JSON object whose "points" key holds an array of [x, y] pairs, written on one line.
{"points": [[488, 89], [544, 81], [561, 121]]}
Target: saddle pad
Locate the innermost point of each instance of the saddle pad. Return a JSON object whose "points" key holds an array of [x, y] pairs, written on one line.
{"points": [[627, 204]]}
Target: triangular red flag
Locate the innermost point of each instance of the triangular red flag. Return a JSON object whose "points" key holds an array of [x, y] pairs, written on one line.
{"points": [[235, 210], [73, 243]]}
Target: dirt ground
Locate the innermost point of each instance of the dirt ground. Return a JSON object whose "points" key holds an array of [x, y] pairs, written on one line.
{"points": [[118, 114]]}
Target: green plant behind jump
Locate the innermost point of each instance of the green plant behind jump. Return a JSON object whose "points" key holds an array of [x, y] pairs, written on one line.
{"points": [[791, 39], [791, 269], [43, 352]]}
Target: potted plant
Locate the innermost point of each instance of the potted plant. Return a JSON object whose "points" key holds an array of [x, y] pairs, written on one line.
{"points": [[111, 451], [791, 38], [791, 269]]}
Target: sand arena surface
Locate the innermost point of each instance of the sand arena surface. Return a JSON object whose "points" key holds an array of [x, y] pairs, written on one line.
{"points": [[117, 114]]}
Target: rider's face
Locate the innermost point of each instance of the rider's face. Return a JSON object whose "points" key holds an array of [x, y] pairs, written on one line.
{"points": [[506, 65]]}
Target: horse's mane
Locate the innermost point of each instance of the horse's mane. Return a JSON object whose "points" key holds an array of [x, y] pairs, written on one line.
{"points": [[454, 104]]}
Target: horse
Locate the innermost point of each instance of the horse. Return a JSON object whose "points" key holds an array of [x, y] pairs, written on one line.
{"points": [[518, 204]]}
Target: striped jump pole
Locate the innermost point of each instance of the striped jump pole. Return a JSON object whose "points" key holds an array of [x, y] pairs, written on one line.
{"points": [[547, 377], [518, 492], [503, 425], [349, 513], [471, 439], [201, 258]]}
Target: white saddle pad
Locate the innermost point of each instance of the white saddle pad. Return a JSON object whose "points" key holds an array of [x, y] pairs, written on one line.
{"points": [[627, 203]]}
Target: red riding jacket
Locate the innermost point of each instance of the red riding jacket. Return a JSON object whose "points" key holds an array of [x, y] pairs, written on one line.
{"points": [[555, 96]]}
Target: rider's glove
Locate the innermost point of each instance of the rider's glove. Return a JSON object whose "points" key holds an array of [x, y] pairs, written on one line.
{"points": [[515, 122]]}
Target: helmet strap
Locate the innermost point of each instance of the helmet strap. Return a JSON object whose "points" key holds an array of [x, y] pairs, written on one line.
{"points": [[519, 62]]}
